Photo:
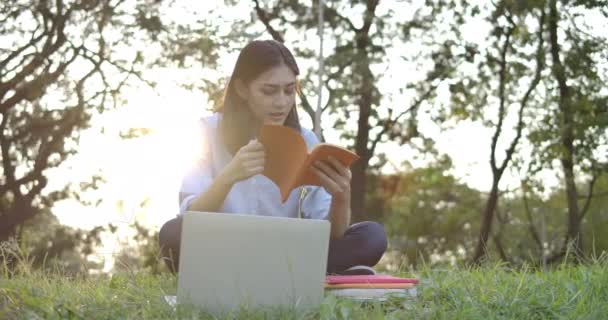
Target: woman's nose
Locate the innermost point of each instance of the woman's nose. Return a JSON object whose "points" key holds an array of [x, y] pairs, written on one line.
{"points": [[283, 100]]}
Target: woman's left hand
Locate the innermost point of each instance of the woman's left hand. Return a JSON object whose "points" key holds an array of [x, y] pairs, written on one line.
{"points": [[334, 177]]}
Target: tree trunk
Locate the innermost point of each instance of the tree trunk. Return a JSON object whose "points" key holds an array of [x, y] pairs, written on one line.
{"points": [[359, 179], [566, 136], [486, 223], [13, 219], [359, 170]]}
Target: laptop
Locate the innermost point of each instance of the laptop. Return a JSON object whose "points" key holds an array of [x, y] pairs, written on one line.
{"points": [[229, 261]]}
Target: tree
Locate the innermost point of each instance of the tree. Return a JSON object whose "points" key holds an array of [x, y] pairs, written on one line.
{"points": [[362, 33], [497, 86], [532, 235], [58, 67], [432, 214], [569, 123], [46, 244], [575, 110]]}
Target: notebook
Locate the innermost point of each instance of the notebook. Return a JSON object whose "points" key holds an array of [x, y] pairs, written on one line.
{"points": [[378, 287], [376, 278], [373, 294], [370, 286]]}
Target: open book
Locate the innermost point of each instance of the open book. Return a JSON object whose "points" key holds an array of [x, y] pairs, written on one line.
{"points": [[288, 163]]}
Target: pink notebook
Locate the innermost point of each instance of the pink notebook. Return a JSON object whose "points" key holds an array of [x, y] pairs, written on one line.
{"points": [[377, 278]]}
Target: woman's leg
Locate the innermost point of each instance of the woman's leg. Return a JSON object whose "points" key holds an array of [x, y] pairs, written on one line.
{"points": [[363, 243], [169, 239]]}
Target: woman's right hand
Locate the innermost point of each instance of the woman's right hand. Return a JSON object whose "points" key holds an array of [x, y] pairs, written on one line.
{"points": [[247, 162]]}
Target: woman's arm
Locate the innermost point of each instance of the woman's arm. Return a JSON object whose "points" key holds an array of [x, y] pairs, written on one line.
{"points": [[339, 216], [247, 162], [335, 178], [212, 199]]}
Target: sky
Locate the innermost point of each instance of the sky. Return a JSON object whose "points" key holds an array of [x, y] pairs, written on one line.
{"points": [[142, 175]]}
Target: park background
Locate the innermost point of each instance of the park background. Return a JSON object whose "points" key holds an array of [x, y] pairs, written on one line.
{"points": [[481, 126]]}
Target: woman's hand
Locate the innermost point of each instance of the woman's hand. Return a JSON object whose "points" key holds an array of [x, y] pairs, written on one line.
{"points": [[247, 162], [334, 177]]}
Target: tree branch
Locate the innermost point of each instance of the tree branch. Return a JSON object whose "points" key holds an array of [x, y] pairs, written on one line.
{"points": [[589, 196], [18, 51], [370, 14], [48, 48], [524, 101], [263, 16], [330, 11], [34, 89], [531, 225], [333, 76], [391, 122], [501, 95]]}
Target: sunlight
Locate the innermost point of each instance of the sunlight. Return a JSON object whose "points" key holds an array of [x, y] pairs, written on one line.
{"points": [[151, 166], [142, 173]]}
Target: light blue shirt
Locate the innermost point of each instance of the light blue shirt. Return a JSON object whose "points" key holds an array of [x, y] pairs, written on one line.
{"points": [[256, 195]]}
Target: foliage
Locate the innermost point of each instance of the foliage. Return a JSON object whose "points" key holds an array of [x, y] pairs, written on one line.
{"points": [[364, 42], [142, 253], [432, 214], [60, 64]]}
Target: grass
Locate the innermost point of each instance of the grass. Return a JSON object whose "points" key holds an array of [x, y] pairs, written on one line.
{"points": [[489, 292]]}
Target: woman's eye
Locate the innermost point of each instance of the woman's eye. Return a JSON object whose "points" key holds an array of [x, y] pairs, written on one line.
{"points": [[268, 92], [289, 91]]}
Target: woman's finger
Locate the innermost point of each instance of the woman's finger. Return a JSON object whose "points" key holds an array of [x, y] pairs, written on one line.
{"points": [[338, 173], [330, 171], [255, 170], [254, 155], [339, 167], [254, 163], [328, 183], [254, 145]]}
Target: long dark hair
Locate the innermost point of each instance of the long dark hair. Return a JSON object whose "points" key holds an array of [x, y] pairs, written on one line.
{"points": [[237, 124]]}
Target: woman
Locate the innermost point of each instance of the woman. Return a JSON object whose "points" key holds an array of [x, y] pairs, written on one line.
{"points": [[227, 178]]}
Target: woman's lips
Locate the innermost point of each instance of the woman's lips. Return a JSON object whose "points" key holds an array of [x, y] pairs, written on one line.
{"points": [[277, 115]]}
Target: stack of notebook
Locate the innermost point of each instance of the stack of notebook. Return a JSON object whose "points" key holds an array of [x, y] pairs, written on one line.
{"points": [[370, 287]]}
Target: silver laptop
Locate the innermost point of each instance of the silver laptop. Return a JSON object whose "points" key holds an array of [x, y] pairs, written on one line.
{"points": [[229, 261]]}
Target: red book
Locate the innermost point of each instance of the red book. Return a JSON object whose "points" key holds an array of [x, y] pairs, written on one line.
{"points": [[377, 278]]}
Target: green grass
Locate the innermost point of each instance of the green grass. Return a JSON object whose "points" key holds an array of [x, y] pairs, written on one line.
{"points": [[568, 292]]}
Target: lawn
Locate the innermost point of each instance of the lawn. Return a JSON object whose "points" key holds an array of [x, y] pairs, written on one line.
{"points": [[489, 292]]}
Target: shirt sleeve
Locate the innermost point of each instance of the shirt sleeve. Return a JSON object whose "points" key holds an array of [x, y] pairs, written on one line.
{"points": [[199, 176], [317, 200]]}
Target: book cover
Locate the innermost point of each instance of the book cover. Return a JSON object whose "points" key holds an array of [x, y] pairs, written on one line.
{"points": [[288, 162]]}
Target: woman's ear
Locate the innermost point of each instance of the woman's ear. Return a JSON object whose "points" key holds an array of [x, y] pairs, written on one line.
{"points": [[241, 89]]}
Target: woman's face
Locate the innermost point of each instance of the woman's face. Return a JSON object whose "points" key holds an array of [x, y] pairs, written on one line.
{"points": [[271, 95]]}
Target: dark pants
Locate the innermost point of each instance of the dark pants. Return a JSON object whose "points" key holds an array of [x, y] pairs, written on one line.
{"points": [[363, 243]]}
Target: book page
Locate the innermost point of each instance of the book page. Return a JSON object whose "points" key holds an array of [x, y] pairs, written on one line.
{"points": [[285, 151]]}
